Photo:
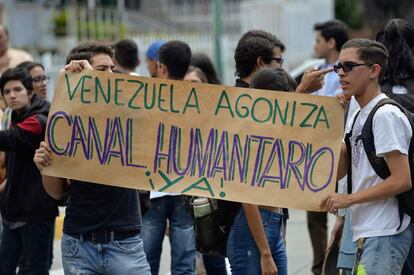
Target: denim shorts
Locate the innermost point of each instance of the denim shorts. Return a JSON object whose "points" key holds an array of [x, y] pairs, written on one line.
{"points": [[385, 255], [116, 257]]}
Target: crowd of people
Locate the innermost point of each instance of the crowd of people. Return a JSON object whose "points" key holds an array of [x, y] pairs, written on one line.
{"points": [[113, 230]]}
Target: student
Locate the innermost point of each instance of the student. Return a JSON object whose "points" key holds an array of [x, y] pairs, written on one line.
{"points": [[203, 62], [250, 57], [126, 56], [151, 57], [383, 237], [398, 83], [28, 212], [255, 244], [174, 60], [105, 239], [36, 71], [194, 74], [255, 50], [330, 36]]}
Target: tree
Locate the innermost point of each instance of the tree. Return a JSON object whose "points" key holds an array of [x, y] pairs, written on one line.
{"points": [[349, 11]]}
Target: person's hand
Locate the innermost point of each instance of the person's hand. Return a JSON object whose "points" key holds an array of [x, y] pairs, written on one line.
{"points": [[335, 201], [336, 233], [312, 80], [77, 66], [3, 185], [43, 156], [267, 264], [343, 100]]}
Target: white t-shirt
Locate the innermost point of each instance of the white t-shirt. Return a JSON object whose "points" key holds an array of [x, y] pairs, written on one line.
{"points": [[154, 195], [392, 131]]}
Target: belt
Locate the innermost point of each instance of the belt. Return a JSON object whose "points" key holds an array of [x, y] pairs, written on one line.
{"points": [[106, 236]]}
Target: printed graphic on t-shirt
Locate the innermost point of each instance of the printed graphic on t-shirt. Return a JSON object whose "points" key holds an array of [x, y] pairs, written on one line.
{"points": [[356, 144]]}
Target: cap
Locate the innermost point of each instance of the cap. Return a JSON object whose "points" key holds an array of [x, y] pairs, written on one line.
{"points": [[152, 51]]}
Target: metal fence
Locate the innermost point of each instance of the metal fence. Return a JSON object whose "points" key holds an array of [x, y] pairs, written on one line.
{"points": [[292, 21]]}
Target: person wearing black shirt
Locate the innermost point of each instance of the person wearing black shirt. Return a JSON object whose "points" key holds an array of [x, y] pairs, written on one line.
{"points": [[102, 223]]}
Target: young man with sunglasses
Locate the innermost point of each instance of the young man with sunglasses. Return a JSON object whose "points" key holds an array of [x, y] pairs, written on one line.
{"points": [[383, 237]]}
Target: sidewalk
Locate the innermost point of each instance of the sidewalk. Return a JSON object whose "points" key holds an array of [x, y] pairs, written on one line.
{"points": [[298, 248]]}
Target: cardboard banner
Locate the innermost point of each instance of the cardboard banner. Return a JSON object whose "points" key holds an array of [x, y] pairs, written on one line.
{"points": [[255, 146]]}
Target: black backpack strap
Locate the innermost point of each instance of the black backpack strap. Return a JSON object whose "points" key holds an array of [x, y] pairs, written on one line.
{"points": [[349, 151], [379, 164]]}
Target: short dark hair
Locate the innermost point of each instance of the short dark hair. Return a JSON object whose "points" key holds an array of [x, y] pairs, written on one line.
{"points": [[126, 53], [333, 29], [371, 52], [251, 45], [273, 79], [202, 61], [16, 74], [176, 56], [88, 49]]}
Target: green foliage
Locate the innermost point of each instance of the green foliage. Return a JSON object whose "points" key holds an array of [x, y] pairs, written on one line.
{"points": [[349, 12], [95, 28], [59, 23], [100, 30]]}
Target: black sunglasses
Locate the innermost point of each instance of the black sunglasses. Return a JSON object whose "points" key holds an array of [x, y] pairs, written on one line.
{"points": [[278, 60], [347, 66]]}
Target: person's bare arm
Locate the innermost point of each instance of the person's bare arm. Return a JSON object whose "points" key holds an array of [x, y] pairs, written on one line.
{"points": [[399, 181], [54, 186], [3, 185], [254, 221], [343, 162]]}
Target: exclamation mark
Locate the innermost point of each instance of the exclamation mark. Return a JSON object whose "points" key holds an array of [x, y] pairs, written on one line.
{"points": [[148, 174], [222, 194]]}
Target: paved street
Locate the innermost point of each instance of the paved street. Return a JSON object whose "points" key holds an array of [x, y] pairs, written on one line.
{"points": [[298, 248]]}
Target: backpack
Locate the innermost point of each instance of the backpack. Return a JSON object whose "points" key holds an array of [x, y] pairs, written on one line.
{"points": [[212, 230], [405, 199]]}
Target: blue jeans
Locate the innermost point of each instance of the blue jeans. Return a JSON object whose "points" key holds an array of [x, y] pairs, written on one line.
{"points": [[347, 249], [410, 258], [214, 265], [32, 243], [242, 251], [116, 257], [182, 239], [385, 255]]}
